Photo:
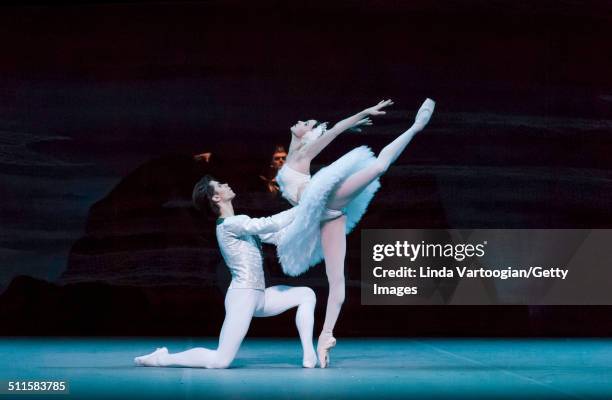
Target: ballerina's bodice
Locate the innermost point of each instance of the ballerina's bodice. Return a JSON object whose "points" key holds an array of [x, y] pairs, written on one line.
{"points": [[291, 183]]}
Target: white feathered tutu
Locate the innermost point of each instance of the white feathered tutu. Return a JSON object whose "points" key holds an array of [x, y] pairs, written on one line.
{"points": [[299, 244]]}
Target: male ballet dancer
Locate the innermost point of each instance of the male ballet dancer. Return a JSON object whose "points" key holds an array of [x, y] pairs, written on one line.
{"points": [[247, 296]]}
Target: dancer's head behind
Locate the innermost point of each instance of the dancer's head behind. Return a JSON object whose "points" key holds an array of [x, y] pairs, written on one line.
{"points": [[278, 157], [210, 191]]}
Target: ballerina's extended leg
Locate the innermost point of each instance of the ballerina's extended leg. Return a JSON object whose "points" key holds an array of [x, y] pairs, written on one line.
{"points": [[333, 236], [354, 184]]}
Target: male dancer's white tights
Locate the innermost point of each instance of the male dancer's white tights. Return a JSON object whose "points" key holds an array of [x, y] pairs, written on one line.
{"points": [[333, 232], [241, 305]]}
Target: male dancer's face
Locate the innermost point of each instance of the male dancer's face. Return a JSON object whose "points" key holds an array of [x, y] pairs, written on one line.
{"points": [[278, 159], [223, 192]]}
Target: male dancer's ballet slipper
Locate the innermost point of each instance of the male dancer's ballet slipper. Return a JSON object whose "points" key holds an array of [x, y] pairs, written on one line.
{"points": [[323, 347], [424, 113], [309, 362], [151, 360]]}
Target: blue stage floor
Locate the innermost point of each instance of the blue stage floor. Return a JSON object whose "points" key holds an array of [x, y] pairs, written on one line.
{"points": [[361, 368]]}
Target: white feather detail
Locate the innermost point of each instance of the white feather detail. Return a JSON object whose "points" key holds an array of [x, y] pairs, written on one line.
{"points": [[314, 134]]}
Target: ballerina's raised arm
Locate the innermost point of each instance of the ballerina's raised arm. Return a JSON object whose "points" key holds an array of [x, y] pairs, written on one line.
{"points": [[307, 141]]}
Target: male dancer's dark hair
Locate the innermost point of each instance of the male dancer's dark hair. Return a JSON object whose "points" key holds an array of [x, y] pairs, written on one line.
{"points": [[202, 194]]}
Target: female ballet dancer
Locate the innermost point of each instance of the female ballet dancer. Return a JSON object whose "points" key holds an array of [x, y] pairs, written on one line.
{"points": [[332, 202]]}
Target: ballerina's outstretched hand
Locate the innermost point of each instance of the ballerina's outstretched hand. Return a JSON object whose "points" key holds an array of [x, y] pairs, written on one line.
{"points": [[376, 110], [359, 119], [361, 123]]}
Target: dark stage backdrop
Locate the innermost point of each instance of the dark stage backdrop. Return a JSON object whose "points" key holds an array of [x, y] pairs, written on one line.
{"points": [[102, 107]]}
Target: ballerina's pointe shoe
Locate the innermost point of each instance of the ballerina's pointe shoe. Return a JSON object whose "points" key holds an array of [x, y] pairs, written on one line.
{"points": [[151, 360], [424, 113], [323, 347]]}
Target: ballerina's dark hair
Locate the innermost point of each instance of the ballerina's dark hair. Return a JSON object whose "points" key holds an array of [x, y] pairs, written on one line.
{"points": [[203, 193]]}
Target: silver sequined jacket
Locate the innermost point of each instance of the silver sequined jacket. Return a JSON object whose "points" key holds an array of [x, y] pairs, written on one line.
{"points": [[239, 239]]}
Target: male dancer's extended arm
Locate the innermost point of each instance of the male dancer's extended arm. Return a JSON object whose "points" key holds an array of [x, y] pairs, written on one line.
{"points": [[255, 226]]}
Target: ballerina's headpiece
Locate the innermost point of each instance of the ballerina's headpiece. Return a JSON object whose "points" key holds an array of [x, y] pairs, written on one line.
{"points": [[315, 133]]}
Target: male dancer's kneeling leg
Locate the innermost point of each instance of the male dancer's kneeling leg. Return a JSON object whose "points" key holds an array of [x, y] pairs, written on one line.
{"points": [[247, 296]]}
